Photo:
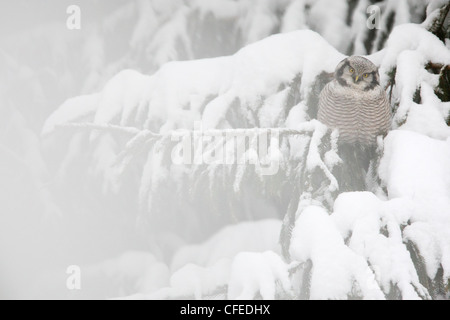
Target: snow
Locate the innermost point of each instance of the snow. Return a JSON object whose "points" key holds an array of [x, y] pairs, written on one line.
{"points": [[435, 5], [120, 96], [131, 272], [73, 109], [327, 16], [103, 160], [335, 267], [416, 165], [415, 168], [294, 17], [200, 281], [248, 275], [221, 9], [172, 95], [416, 38], [357, 245], [429, 117], [260, 22], [362, 217], [257, 274], [146, 24], [256, 236], [313, 157], [410, 47], [271, 112], [224, 260], [162, 46], [416, 173], [277, 60]]}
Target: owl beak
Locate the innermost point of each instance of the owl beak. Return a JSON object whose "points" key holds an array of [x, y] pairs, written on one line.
{"points": [[356, 78]]}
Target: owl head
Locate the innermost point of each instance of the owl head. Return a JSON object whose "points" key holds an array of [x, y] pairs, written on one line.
{"points": [[358, 73]]}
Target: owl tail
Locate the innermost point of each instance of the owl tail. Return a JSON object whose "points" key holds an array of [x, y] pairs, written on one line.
{"points": [[351, 174]]}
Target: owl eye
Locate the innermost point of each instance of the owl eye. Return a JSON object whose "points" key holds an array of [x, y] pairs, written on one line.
{"points": [[351, 70], [365, 75]]}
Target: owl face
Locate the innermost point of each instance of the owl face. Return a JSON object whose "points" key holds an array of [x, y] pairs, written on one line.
{"points": [[358, 73]]}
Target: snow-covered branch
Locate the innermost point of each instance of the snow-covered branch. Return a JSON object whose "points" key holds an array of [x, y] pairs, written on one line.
{"points": [[346, 244]]}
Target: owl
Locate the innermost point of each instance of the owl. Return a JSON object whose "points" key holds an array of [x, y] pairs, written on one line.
{"points": [[355, 104]]}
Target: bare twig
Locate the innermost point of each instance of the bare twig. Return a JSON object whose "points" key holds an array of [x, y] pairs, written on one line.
{"points": [[144, 134], [140, 139], [101, 127]]}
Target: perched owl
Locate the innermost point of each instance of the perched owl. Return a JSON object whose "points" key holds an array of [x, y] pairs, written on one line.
{"points": [[356, 104]]}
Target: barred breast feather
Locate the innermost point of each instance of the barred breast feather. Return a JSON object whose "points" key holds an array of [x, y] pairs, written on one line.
{"points": [[360, 116]]}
